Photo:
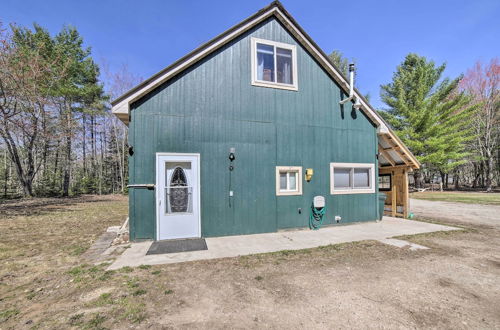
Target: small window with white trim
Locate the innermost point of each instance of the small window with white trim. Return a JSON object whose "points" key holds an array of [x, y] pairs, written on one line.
{"points": [[274, 64], [288, 180], [351, 178]]}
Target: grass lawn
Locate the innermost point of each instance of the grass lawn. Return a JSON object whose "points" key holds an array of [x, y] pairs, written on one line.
{"points": [[459, 197], [46, 284]]}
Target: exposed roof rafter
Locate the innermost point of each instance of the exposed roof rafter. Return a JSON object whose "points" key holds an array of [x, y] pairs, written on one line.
{"points": [[386, 155], [397, 149]]}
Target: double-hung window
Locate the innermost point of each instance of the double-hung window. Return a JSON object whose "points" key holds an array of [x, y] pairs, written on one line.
{"points": [[288, 180], [351, 178], [274, 64]]}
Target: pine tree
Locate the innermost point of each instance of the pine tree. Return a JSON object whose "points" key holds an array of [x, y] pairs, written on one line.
{"points": [[341, 62], [80, 89], [428, 114]]}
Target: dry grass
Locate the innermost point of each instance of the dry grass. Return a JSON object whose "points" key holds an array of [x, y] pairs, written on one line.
{"points": [[45, 284], [41, 242], [459, 197]]}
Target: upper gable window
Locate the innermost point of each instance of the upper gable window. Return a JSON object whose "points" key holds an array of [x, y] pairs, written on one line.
{"points": [[274, 64]]}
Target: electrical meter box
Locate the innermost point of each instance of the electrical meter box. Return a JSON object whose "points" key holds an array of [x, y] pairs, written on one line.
{"points": [[319, 202]]}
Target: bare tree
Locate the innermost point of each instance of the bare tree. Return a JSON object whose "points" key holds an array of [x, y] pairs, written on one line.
{"points": [[56, 129], [482, 83], [25, 81], [118, 83]]}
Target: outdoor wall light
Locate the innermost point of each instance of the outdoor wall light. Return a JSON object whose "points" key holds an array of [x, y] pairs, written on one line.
{"points": [[231, 154], [232, 157], [309, 174]]}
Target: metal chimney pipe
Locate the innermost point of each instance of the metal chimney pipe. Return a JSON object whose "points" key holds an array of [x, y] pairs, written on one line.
{"points": [[351, 79], [351, 84]]}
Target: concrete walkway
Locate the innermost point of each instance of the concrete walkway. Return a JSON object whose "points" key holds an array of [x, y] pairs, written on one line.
{"points": [[97, 252], [233, 246]]}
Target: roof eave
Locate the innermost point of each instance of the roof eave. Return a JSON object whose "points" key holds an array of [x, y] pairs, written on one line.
{"points": [[197, 50]]}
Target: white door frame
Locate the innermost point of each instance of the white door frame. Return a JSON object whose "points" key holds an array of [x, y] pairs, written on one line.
{"points": [[157, 190]]}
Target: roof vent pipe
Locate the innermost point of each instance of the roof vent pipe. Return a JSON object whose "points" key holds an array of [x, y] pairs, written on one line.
{"points": [[351, 84]]}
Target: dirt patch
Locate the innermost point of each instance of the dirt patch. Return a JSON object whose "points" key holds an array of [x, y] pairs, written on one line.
{"points": [[445, 282], [45, 284], [495, 263], [99, 292]]}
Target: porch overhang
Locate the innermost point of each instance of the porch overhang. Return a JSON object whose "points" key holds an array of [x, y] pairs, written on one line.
{"points": [[392, 152]]}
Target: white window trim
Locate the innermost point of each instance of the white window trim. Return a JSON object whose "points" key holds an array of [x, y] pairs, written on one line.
{"points": [[261, 83], [297, 169], [338, 191]]}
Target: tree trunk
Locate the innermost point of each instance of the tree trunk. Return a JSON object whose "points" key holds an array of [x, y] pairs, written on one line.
{"points": [[122, 169], [6, 175], [56, 164], [93, 145], [67, 167], [489, 172], [456, 177], [120, 151], [84, 147], [476, 176], [417, 176], [481, 176], [67, 162], [23, 176], [101, 166], [443, 177]]}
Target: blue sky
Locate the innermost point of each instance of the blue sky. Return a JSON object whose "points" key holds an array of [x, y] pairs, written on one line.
{"points": [[149, 35]]}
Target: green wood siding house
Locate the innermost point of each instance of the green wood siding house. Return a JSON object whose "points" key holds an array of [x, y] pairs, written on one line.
{"points": [[264, 93]]}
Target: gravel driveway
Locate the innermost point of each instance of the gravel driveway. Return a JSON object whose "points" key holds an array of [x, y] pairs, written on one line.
{"points": [[457, 212]]}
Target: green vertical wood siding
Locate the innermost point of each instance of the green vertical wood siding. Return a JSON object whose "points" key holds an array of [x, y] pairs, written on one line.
{"points": [[212, 107]]}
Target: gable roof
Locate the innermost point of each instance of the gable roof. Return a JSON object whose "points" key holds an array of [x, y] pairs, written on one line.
{"points": [[401, 155]]}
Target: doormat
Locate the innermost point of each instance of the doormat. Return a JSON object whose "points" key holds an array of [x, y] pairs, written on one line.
{"points": [[177, 245]]}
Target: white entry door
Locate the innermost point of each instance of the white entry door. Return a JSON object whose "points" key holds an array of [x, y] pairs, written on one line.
{"points": [[178, 195]]}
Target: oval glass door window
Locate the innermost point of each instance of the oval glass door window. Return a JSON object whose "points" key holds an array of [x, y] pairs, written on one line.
{"points": [[179, 192]]}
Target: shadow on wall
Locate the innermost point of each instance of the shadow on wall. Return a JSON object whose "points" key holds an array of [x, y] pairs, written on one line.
{"points": [[354, 114]]}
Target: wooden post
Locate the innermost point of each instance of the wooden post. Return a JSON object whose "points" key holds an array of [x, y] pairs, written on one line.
{"points": [[406, 195], [393, 195]]}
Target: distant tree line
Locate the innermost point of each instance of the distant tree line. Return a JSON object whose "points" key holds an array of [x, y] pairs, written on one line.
{"points": [[452, 126], [57, 135]]}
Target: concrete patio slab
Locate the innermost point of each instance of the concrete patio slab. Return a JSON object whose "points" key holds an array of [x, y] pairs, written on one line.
{"points": [[233, 246]]}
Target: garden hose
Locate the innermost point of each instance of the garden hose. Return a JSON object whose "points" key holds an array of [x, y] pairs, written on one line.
{"points": [[316, 217]]}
